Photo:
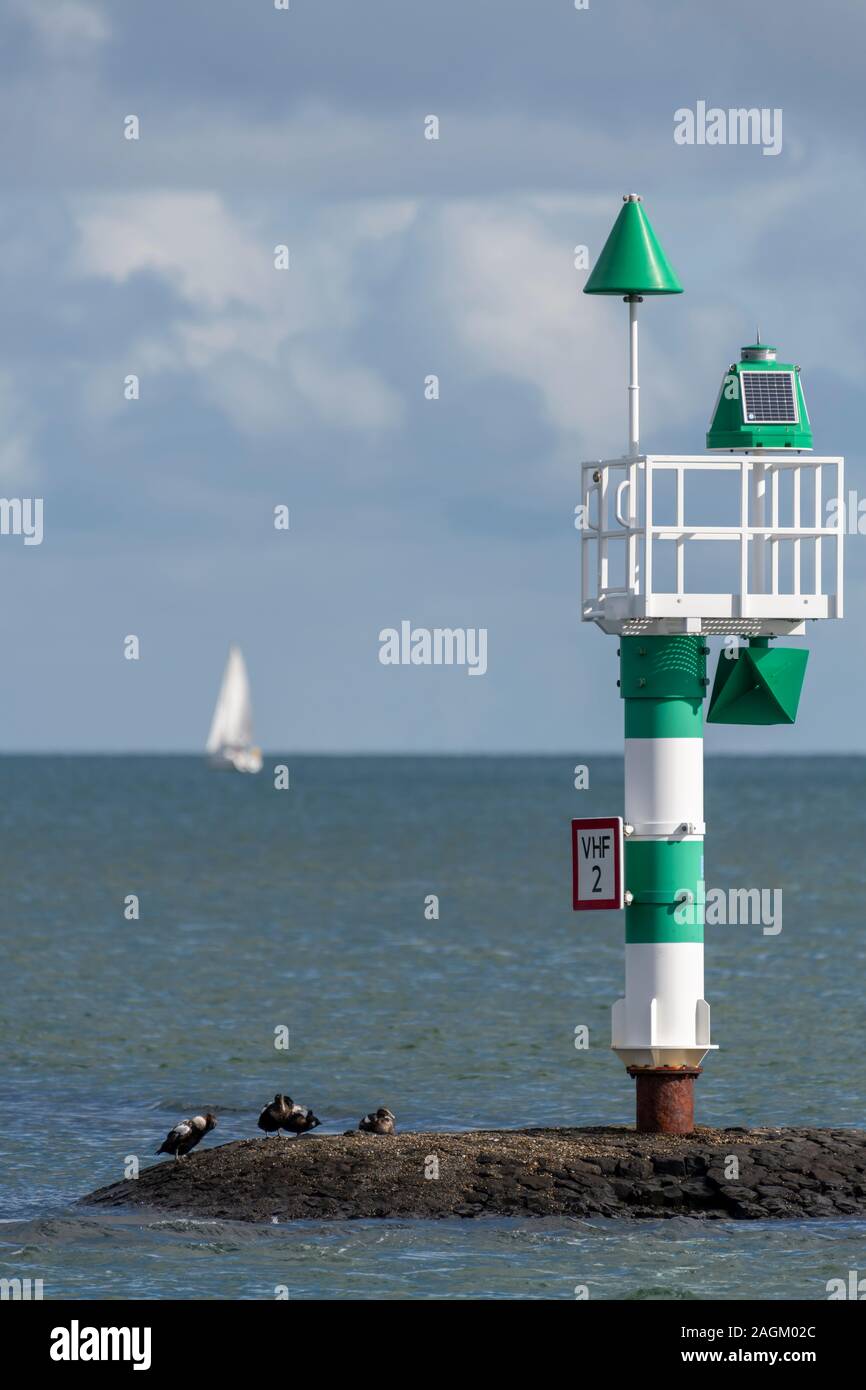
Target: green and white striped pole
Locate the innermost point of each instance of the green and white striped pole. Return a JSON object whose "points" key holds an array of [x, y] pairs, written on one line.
{"points": [[661, 1027]]}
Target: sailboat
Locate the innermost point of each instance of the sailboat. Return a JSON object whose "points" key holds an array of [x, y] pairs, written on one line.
{"points": [[230, 741]]}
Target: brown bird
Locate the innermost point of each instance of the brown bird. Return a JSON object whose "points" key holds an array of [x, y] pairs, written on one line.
{"points": [[379, 1121], [299, 1119], [273, 1115], [186, 1135]]}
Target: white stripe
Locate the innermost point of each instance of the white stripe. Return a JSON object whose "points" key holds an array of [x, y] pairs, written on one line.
{"points": [[664, 785], [663, 1007]]}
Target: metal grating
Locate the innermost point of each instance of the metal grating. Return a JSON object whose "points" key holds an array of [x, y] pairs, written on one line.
{"points": [[712, 627], [768, 398]]}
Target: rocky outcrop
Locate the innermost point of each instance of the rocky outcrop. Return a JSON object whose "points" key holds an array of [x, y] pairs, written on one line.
{"points": [[711, 1174]]}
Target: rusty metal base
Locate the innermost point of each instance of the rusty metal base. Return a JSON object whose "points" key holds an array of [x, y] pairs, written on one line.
{"points": [[665, 1099]]}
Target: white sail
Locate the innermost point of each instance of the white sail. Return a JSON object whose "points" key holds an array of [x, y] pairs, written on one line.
{"points": [[231, 731]]}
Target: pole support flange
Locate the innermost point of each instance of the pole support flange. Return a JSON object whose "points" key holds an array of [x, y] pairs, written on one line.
{"points": [[665, 1099]]}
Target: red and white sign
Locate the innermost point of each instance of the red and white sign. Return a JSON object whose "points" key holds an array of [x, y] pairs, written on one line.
{"points": [[597, 859]]}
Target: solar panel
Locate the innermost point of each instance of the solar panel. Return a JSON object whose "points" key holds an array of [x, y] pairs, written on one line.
{"points": [[768, 398]]}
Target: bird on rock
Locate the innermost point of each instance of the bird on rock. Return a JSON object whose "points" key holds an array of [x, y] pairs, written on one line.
{"points": [[274, 1115], [379, 1121], [186, 1135], [299, 1119]]}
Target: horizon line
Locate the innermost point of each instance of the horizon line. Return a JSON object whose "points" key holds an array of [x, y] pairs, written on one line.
{"points": [[405, 753]]}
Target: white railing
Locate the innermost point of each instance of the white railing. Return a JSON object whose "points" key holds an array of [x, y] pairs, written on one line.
{"points": [[620, 524]]}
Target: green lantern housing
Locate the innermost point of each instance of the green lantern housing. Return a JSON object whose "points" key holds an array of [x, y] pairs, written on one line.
{"points": [[760, 405]]}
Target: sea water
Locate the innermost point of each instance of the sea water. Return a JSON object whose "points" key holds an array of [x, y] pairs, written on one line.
{"points": [[310, 911]]}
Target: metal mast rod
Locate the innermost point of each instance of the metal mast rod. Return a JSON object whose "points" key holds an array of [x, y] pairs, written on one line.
{"points": [[633, 387]]}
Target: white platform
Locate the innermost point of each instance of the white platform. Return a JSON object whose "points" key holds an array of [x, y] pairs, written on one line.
{"points": [[790, 567]]}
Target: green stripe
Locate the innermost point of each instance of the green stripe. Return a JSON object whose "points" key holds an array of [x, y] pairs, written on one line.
{"points": [[664, 718], [660, 668], [656, 870], [663, 683], [649, 922]]}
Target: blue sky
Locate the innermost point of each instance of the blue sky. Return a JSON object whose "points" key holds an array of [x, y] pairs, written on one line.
{"points": [[306, 387]]}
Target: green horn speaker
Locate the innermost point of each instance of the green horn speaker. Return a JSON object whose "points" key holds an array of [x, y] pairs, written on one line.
{"points": [[761, 686]]}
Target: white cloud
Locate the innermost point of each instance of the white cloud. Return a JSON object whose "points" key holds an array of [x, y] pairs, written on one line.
{"points": [[264, 342], [17, 466], [275, 349], [204, 253], [516, 304], [64, 25]]}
